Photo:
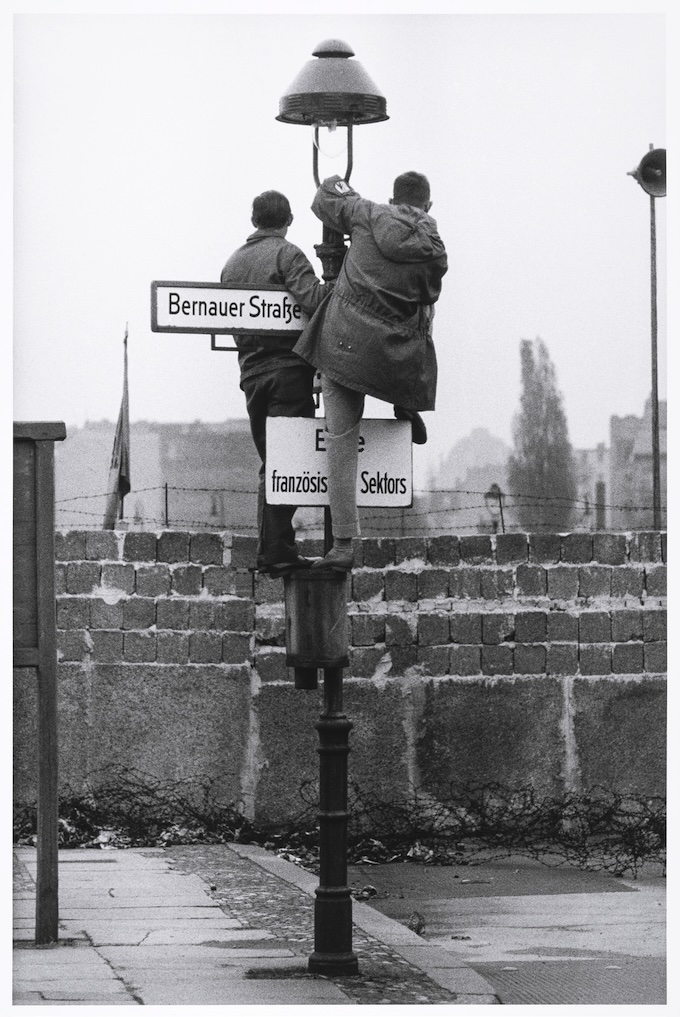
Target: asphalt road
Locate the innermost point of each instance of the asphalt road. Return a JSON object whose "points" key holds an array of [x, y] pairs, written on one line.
{"points": [[539, 934]]}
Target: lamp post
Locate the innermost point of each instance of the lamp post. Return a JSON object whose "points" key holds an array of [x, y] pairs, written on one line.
{"points": [[332, 91], [493, 500], [651, 176]]}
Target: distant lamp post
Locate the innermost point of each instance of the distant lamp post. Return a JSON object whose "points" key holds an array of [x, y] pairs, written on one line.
{"points": [[332, 91], [651, 176], [493, 499]]}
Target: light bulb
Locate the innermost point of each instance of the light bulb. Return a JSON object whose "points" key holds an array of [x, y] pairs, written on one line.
{"points": [[330, 142]]}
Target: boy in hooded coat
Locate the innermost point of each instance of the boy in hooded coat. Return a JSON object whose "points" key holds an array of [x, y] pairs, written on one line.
{"points": [[372, 335]]}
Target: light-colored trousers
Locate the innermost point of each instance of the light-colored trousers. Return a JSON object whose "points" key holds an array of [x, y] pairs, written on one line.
{"points": [[343, 409]]}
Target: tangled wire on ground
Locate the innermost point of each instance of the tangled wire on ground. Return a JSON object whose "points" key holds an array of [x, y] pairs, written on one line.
{"points": [[597, 829], [123, 807]]}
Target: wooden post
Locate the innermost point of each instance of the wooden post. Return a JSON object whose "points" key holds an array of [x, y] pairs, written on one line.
{"points": [[35, 639], [500, 506]]}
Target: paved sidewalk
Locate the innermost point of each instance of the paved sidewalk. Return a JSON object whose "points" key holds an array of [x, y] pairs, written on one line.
{"points": [[222, 924], [234, 924]]}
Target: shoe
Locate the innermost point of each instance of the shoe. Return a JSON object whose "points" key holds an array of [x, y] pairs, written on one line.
{"points": [[284, 568], [418, 429], [339, 559]]}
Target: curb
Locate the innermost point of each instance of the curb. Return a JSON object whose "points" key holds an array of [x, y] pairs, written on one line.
{"points": [[442, 967]]}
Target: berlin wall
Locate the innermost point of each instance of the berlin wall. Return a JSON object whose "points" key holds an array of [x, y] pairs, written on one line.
{"points": [[516, 659]]}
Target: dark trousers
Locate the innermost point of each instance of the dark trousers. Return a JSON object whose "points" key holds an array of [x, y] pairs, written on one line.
{"points": [[284, 392]]}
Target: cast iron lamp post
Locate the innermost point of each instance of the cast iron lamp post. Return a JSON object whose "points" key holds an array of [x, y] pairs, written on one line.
{"points": [[331, 91], [651, 176]]}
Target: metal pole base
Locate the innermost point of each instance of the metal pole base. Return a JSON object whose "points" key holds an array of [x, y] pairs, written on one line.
{"points": [[333, 906], [333, 964], [306, 678]]}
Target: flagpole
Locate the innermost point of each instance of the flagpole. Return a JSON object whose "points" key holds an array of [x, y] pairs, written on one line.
{"points": [[119, 470], [125, 398]]}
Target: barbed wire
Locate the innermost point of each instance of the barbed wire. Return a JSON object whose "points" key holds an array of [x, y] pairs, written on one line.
{"points": [[395, 521], [390, 525], [163, 524], [87, 497], [517, 503], [395, 518], [531, 498]]}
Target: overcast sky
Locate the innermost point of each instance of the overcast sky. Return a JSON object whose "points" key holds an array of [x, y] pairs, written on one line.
{"points": [[141, 139]]}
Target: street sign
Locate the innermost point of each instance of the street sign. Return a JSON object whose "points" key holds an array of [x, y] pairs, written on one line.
{"points": [[209, 308], [297, 471]]}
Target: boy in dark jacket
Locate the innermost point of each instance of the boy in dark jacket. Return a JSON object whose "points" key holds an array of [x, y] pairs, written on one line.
{"points": [[275, 380], [373, 334]]}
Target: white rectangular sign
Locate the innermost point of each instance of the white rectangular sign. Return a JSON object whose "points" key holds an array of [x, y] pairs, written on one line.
{"points": [[297, 472], [222, 310]]}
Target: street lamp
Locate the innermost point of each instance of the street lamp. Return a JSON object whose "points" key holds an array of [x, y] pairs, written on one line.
{"points": [[493, 499], [651, 176], [330, 91]]}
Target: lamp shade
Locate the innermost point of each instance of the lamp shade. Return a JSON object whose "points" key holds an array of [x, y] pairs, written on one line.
{"points": [[651, 173], [333, 88]]}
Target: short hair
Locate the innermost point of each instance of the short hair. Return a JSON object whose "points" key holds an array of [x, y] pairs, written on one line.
{"points": [[411, 189], [271, 210]]}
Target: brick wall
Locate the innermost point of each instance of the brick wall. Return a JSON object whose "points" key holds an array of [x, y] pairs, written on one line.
{"points": [[515, 658]]}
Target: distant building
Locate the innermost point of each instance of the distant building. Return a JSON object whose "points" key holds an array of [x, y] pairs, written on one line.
{"points": [[631, 478], [614, 485], [204, 476], [184, 476]]}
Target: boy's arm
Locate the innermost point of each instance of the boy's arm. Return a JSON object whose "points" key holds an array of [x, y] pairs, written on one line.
{"points": [[300, 279], [335, 203]]}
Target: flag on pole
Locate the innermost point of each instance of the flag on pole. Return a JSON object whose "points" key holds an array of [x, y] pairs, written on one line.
{"points": [[119, 472]]}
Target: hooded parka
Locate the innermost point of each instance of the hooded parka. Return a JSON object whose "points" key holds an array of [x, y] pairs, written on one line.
{"points": [[373, 333]]}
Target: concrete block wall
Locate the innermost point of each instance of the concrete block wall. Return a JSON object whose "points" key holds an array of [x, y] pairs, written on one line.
{"points": [[577, 604], [517, 659]]}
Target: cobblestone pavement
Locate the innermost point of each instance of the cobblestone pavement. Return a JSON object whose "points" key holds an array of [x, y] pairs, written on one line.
{"points": [[261, 900]]}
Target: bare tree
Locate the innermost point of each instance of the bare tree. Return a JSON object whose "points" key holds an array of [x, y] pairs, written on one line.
{"points": [[541, 471]]}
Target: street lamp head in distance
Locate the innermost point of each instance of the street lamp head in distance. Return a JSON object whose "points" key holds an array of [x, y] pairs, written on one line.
{"points": [[651, 173]]}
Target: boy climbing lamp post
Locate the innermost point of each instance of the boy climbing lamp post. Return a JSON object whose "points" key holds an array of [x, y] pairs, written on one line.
{"points": [[329, 92]]}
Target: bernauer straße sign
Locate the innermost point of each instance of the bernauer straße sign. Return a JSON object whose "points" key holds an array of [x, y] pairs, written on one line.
{"points": [[209, 308]]}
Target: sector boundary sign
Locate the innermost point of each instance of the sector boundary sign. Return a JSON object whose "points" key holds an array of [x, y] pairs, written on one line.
{"points": [[296, 471]]}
